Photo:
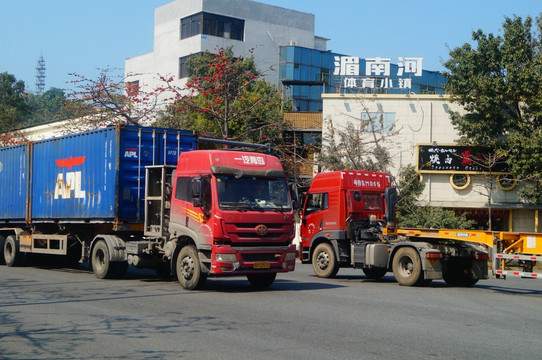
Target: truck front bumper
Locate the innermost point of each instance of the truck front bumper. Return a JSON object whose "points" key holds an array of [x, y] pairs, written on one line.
{"points": [[228, 260]]}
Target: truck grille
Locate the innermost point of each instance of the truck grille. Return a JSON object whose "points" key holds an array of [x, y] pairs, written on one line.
{"points": [[246, 232]]}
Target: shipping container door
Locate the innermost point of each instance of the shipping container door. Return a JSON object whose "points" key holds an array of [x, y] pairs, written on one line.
{"points": [[13, 183]]}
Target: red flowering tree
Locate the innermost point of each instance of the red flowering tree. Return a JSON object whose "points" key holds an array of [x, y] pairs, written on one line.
{"points": [[109, 99], [225, 97]]}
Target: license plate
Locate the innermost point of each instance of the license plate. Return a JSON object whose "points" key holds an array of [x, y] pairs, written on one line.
{"points": [[262, 265]]}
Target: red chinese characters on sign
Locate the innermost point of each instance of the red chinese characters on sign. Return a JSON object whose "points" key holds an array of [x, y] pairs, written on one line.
{"points": [[466, 158]]}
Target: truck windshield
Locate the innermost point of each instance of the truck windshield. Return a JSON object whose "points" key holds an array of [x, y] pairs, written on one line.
{"points": [[253, 193]]}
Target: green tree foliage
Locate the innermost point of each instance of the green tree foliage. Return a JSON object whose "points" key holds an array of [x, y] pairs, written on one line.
{"points": [[13, 105], [47, 107], [498, 82], [225, 97], [410, 215]]}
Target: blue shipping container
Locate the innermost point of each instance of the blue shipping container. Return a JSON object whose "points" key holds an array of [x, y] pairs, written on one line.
{"points": [[13, 182], [95, 176]]}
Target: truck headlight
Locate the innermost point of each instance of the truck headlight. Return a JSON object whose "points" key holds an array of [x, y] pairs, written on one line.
{"points": [[226, 257]]}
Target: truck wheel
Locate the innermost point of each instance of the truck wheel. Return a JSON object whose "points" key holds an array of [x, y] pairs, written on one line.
{"points": [[375, 273], [102, 267], [261, 281], [324, 262], [12, 255], [2, 243], [456, 274], [407, 267], [189, 269]]}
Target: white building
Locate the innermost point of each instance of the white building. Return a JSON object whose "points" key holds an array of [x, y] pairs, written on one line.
{"points": [[186, 27], [423, 122]]}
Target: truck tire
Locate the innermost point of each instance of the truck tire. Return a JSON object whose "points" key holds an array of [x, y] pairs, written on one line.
{"points": [[407, 267], [324, 261], [188, 268], [456, 274], [12, 255], [101, 266], [375, 273], [261, 281], [2, 243]]}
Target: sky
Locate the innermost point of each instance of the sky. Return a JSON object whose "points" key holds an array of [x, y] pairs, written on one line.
{"points": [[76, 36]]}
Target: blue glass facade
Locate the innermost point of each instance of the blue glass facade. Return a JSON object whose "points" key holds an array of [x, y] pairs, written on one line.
{"points": [[305, 74]]}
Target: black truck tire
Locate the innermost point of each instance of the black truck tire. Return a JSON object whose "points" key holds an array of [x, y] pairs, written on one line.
{"points": [[324, 261], [12, 255], [2, 243], [261, 281], [103, 267], [407, 267], [456, 274], [188, 268]]}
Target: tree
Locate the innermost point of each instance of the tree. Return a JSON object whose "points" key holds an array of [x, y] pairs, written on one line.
{"points": [[411, 215], [13, 106], [109, 99], [498, 83], [225, 97], [47, 107], [357, 145]]}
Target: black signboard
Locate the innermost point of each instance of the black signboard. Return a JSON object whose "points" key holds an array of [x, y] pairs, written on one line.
{"points": [[464, 159]]}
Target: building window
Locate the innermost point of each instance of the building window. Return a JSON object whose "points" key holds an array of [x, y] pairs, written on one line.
{"points": [[183, 73], [182, 67], [212, 24], [506, 182], [132, 88], [460, 181], [382, 121]]}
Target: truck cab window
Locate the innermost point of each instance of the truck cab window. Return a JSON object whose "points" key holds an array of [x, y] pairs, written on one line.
{"points": [[372, 201], [183, 189], [316, 202], [253, 193]]}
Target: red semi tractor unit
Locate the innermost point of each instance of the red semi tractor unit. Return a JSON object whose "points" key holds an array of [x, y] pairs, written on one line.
{"points": [[230, 214], [345, 217], [146, 197]]}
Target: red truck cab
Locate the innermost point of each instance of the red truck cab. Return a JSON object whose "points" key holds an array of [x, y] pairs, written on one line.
{"points": [[341, 206], [232, 214]]}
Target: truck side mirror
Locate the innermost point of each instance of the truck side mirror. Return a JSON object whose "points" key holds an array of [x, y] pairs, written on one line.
{"points": [[390, 196], [294, 195], [196, 192]]}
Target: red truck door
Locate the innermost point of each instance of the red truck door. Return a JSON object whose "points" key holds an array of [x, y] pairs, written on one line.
{"points": [[316, 207]]}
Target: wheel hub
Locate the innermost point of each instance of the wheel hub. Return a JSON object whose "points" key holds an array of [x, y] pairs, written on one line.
{"points": [[407, 266], [187, 268], [323, 260]]}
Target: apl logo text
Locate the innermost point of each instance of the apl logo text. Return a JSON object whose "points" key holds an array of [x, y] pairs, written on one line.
{"points": [[70, 182]]}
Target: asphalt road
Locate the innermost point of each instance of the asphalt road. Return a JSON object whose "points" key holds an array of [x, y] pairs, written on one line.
{"points": [[48, 313]]}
